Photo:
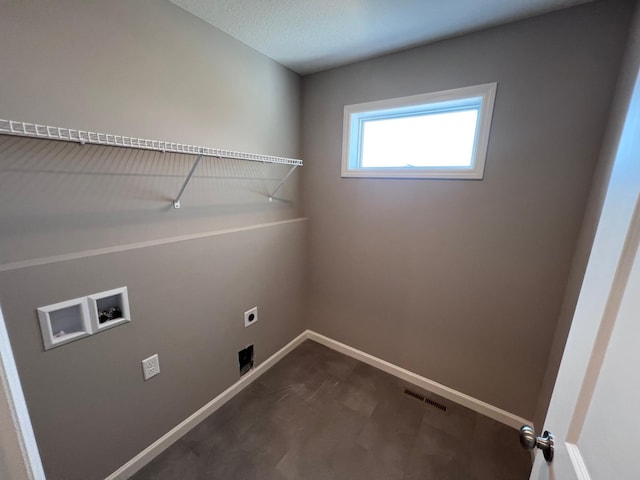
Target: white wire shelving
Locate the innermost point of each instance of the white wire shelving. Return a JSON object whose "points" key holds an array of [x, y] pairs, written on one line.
{"points": [[34, 130]]}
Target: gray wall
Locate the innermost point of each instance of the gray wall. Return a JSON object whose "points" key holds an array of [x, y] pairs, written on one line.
{"points": [[462, 281], [90, 408], [147, 69], [61, 197], [624, 90], [393, 269], [144, 69]]}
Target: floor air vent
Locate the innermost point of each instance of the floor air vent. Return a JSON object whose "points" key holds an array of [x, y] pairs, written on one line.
{"points": [[414, 394], [439, 406], [422, 398]]}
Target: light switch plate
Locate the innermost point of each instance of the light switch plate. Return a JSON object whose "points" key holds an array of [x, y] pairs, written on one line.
{"points": [[151, 366]]}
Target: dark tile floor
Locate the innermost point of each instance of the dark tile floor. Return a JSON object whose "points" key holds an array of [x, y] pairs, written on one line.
{"points": [[320, 415]]}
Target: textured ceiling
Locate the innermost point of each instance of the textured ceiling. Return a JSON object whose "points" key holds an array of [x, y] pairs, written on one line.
{"points": [[312, 35]]}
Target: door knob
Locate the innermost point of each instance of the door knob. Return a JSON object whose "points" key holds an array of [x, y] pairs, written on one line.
{"points": [[529, 441]]}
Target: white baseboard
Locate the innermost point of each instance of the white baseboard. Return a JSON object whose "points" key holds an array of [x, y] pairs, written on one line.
{"points": [[157, 447], [460, 398]]}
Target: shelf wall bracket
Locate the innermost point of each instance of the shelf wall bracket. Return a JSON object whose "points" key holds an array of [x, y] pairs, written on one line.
{"points": [[176, 203], [284, 179]]}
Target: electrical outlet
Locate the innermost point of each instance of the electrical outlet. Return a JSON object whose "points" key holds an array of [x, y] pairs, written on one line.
{"points": [[250, 317], [151, 366]]}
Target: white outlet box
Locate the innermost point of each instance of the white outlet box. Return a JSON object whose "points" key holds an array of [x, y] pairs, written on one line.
{"points": [[251, 317], [151, 366]]}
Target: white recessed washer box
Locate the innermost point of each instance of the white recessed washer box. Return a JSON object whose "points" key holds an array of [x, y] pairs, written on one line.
{"points": [[109, 309], [64, 322]]}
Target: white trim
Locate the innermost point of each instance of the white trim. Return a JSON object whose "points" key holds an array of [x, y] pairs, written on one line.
{"points": [[577, 461], [485, 91], [132, 246], [164, 442], [18, 436], [460, 398], [157, 447]]}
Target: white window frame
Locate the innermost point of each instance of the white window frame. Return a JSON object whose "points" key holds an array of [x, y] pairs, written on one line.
{"points": [[355, 115]]}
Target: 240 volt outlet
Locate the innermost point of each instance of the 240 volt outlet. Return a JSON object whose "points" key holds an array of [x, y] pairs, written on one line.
{"points": [[251, 317]]}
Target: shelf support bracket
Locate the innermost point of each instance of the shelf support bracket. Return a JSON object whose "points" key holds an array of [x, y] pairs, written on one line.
{"points": [[176, 203], [284, 179]]}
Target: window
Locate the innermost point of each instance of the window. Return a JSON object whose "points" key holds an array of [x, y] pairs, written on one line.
{"points": [[435, 135]]}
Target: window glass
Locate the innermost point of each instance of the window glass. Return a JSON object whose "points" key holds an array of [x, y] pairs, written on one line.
{"points": [[436, 135]]}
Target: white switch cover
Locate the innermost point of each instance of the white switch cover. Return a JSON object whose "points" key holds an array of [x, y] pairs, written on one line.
{"points": [[151, 366]]}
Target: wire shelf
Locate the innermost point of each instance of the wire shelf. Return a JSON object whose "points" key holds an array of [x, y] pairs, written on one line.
{"points": [[34, 130]]}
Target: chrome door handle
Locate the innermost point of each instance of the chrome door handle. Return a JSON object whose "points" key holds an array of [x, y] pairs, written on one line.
{"points": [[529, 441]]}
